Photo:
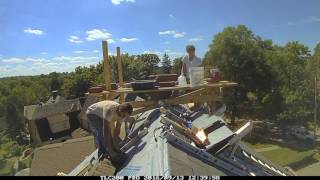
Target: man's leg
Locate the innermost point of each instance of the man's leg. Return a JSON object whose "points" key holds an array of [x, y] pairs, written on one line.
{"points": [[96, 125]]}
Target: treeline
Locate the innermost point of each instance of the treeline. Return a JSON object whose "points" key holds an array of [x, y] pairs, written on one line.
{"points": [[275, 82], [16, 92]]}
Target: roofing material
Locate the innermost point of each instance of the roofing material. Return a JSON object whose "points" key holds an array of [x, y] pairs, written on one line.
{"points": [[164, 151], [50, 159]]}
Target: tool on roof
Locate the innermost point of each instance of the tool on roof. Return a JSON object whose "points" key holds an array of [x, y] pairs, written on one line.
{"points": [[197, 135], [134, 140]]}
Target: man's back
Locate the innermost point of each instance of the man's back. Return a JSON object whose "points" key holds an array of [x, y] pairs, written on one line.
{"points": [[103, 109]]}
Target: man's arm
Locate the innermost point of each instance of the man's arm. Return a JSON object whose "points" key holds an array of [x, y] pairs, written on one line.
{"points": [[107, 135], [116, 132], [184, 69]]}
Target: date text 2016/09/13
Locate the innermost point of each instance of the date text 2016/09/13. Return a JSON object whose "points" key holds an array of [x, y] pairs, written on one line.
{"points": [[160, 177]]}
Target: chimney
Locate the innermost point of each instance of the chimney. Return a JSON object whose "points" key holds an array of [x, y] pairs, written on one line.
{"points": [[54, 94]]}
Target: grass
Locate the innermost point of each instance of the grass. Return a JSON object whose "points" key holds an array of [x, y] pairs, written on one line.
{"points": [[25, 163], [7, 166], [286, 157], [10, 152], [259, 145]]}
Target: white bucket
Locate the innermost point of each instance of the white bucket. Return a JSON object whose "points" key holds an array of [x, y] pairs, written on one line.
{"points": [[196, 75], [182, 81]]}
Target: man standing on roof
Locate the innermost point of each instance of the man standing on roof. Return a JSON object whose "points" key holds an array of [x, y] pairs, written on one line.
{"points": [[190, 60], [105, 118]]}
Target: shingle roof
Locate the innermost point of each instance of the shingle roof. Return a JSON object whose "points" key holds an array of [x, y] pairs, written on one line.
{"points": [[169, 152], [184, 164], [33, 112], [61, 157]]}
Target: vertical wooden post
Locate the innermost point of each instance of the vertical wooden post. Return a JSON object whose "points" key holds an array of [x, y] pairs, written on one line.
{"points": [[315, 105], [120, 73], [106, 67]]}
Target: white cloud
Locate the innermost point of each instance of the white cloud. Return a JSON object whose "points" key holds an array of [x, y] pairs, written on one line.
{"points": [[33, 31], [43, 53], [79, 52], [166, 42], [152, 52], [16, 60], [194, 39], [174, 33], [172, 16], [95, 51], [128, 39], [96, 34], [75, 39], [13, 60], [111, 41], [117, 2], [74, 58], [35, 59], [168, 32], [307, 20], [171, 53], [313, 19], [179, 35], [36, 66]]}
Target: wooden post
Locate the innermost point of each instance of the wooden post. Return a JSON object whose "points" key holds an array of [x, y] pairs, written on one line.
{"points": [[106, 67], [120, 73], [315, 106]]}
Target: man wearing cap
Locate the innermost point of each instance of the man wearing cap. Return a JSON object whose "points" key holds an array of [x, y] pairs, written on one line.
{"points": [[190, 60], [105, 118]]}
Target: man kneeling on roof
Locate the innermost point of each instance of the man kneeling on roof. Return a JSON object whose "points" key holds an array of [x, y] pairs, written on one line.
{"points": [[105, 118]]}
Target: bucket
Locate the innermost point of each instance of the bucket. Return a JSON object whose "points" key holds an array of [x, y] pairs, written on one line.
{"points": [[196, 75], [182, 80], [215, 75]]}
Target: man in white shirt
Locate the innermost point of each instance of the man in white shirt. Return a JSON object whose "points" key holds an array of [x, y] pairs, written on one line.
{"points": [[190, 60]]}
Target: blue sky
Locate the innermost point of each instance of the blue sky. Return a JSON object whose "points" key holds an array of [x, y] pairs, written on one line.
{"points": [[42, 36]]}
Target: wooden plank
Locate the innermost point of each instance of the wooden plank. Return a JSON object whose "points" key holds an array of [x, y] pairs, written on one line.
{"points": [[200, 99], [211, 103], [141, 110], [187, 87], [191, 95], [106, 67], [120, 73], [139, 104], [130, 90]]}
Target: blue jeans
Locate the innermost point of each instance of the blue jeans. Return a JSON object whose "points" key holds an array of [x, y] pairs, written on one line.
{"points": [[96, 126]]}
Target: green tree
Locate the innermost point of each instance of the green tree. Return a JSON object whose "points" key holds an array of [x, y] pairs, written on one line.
{"points": [[177, 65], [241, 57], [149, 63], [14, 121], [313, 65], [166, 64], [288, 66], [55, 82]]}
